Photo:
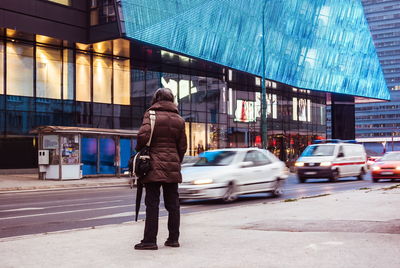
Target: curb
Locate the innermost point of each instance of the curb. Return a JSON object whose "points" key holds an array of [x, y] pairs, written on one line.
{"points": [[61, 187]]}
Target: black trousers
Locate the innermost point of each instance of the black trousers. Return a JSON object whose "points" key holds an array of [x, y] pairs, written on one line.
{"points": [[171, 203]]}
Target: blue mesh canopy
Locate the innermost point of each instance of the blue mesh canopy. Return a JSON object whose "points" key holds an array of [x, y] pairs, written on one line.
{"points": [[312, 44]]}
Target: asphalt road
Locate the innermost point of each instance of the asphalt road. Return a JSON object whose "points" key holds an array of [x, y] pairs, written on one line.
{"points": [[57, 210]]}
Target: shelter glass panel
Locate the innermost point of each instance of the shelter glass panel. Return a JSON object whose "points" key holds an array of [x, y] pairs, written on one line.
{"points": [[89, 155], [107, 156]]}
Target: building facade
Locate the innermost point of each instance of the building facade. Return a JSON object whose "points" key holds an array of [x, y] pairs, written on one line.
{"points": [[378, 124], [97, 64]]}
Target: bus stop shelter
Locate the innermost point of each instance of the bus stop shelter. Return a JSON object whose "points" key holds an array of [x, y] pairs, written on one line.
{"points": [[76, 152]]}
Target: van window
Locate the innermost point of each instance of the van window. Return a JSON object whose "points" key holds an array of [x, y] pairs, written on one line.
{"points": [[319, 150], [349, 150], [353, 150], [341, 151]]}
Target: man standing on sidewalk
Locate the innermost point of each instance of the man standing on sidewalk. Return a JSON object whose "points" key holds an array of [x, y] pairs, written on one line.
{"points": [[167, 148]]}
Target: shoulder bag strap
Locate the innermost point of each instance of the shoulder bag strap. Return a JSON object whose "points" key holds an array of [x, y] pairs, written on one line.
{"points": [[152, 123]]}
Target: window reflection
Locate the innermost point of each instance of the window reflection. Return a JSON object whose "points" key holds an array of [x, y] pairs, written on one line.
{"points": [[102, 77], [48, 73], [121, 82], [1, 68], [62, 2], [68, 75], [198, 138], [19, 61], [121, 47], [83, 77]]}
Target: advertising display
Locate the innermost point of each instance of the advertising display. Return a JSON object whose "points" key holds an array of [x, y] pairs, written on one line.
{"points": [[250, 111], [70, 149]]}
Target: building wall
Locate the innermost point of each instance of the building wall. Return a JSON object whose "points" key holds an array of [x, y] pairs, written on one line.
{"points": [[382, 120], [63, 19], [110, 84]]}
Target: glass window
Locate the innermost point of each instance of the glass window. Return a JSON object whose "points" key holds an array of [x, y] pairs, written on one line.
{"points": [[48, 73], [104, 47], [198, 138], [213, 136], [319, 150], [68, 75], [107, 156], [121, 47], [198, 91], [19, 61], [216, 158], [121, 82], [47, 40], [102, 77], [171, 81], [187, 131], [20, 35], [184, 92], [390, 157], [83, 77], [257, 158], [89, 155], [153, 82], [1, 67], [62, 2]]}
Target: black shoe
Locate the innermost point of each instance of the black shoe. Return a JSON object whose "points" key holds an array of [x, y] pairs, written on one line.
{"points": [[146, 246], [174, 244]]}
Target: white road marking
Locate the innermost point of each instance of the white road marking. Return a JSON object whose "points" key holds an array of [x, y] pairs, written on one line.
{"points": [[60, 201], [63, 212], [60, 206], [117, 215], [20, 209], [296, 188]]}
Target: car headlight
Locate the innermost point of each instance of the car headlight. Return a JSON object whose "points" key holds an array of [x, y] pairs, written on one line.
{"points": [[326, 164], [202, 181], [299, 164], [376, 168]]}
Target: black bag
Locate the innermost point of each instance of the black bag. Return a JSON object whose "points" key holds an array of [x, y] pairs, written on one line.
{"points": [[139, 164]]}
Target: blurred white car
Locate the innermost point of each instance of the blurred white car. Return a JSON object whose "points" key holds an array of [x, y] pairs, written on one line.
{"points": [[228, 173]]}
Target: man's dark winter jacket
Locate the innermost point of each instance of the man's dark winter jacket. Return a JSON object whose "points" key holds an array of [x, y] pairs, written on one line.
{"points": [[168, 145]]}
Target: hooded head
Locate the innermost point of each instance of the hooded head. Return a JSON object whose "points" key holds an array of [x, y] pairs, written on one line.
{"points": [[163, 94]]}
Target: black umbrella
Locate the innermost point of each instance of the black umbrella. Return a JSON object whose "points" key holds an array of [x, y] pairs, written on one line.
{"points": [[139, 192]]}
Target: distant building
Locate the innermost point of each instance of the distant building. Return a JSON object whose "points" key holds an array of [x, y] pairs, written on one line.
{"points": [[379, 123]]}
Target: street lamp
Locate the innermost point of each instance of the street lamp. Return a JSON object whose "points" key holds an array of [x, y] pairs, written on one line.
{"points": [[264, 135]]}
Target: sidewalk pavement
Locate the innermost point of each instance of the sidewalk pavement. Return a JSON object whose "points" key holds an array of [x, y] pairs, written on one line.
{"points": [[358, 228], [30, 182]]}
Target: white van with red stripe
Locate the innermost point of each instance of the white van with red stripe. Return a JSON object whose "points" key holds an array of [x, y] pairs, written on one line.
{"points": [[332, 159]]}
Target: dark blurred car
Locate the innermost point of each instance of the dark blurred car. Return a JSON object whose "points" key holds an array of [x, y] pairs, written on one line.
{"points": [[387, 167]]}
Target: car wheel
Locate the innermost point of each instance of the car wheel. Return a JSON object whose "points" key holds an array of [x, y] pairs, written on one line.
{"points": [[335, 176], [278, 190], [230, 194], [375, 179], [361, 175], [301, 179]]}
